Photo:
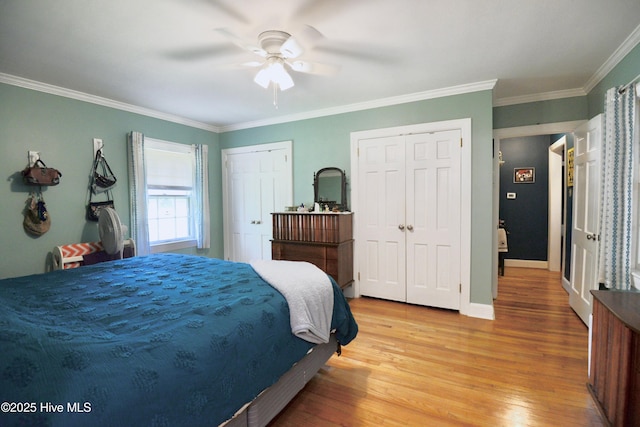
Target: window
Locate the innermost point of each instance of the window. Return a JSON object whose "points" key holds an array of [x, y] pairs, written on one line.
{"points": [[171, 198], [169, 194]]}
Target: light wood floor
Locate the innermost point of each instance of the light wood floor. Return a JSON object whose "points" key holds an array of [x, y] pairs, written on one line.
{"points": [[418, 366]]}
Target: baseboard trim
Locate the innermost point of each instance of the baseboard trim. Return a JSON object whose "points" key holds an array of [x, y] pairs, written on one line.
{"points": [[526, 263], [481, 311]]}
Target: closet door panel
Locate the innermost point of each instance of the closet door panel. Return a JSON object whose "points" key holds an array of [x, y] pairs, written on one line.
{"points": [[433, 218], [382, 192]]}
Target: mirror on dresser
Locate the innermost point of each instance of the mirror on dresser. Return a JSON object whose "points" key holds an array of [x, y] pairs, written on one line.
{"points": [[330, 188]]}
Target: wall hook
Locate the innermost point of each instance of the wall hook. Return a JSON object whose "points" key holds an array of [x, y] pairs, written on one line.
{"points": [[98, 145], [33, 157]]}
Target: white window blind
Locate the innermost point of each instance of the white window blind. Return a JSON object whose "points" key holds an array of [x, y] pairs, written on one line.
{"points": [[169, 166]]}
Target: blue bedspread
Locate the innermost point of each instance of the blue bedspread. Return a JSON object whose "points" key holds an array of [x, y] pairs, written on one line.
{"points": [[162, 340]]}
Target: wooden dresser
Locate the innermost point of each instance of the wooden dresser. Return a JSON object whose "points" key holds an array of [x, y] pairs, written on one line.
{"points": [[323, 239], [614, 381]]}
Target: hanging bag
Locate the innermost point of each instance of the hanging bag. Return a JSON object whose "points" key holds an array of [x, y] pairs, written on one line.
{"points": [[103, 178], [40, 174], [37, 220], [94, 208]]}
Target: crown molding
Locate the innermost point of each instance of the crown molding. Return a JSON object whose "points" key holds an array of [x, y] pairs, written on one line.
{"points": [[536, 97], [623, 50], [105, 102], [383, 102]]}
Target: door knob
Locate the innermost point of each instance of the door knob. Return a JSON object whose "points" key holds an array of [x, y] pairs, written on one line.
{"points": [[410, 227], [401, 227], [592, 236]]}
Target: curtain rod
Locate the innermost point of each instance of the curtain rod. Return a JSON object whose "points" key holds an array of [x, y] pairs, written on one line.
{"points": [[625, 87]]}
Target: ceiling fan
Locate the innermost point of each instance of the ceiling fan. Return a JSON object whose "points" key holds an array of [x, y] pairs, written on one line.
{"points": [[282, 51]]}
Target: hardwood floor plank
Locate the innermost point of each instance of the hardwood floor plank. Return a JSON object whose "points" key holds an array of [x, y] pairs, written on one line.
{"points": [[418, 366]]}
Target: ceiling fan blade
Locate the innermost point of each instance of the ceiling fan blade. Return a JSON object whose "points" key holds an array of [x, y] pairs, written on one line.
{"points": [[309, 36], [315, 11], [305, 37], [241, 43], [240, 66], [200, 53], [252, 64], [291, 48], [313, 68], [230, 11], [362, 54]]}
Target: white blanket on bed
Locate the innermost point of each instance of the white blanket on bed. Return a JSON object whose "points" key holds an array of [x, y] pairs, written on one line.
{"points": [[308, 292]]}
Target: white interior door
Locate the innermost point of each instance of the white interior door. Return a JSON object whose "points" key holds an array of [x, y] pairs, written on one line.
{"points": [[433, 219], [256, 182], [586, 207], [381, 217]]}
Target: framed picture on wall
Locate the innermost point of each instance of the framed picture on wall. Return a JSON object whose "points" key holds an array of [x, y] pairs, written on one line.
{"points": [[570, 167], [524, 175]]}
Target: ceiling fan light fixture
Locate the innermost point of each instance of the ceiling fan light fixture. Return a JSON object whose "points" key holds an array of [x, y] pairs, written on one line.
{"points": [[274, 72], [262, 78]]}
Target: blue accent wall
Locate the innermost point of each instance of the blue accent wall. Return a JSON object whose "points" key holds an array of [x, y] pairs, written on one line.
{"points": [[526, 216]]}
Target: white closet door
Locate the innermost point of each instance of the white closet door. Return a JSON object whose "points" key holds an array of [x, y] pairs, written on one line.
{"points": [[433, 219], [381, 218], [409, 218], [257, 182]]}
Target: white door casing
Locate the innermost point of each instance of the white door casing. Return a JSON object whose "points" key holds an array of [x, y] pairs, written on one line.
{"points": [[586, 208], [555, 255], [257, 181], [409, 243]]}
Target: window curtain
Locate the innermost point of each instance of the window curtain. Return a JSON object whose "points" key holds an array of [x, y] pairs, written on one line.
{"points": [[616, 192], [203, 226], [138, 192]]}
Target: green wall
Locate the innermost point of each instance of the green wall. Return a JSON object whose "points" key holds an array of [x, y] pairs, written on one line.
{"points": [[626, 70], [535, 113], [569, 109], [62, 130], [325, 141]]}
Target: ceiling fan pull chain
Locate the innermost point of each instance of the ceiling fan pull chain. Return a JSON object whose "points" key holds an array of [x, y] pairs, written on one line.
{"points": [[275, 95]]}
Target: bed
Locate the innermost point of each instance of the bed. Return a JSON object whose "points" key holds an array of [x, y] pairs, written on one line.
{"points": [[159, 340]]}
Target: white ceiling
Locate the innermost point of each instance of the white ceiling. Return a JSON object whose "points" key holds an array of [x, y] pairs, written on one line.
{"points": [[168, 56]]}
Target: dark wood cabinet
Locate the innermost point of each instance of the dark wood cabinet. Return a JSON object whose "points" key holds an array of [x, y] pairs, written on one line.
{"points": [[614, 380], [323, 239]]}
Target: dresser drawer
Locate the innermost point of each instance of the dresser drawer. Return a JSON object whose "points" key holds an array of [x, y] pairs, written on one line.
{"points": [[325, 240], [335, 260]]}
